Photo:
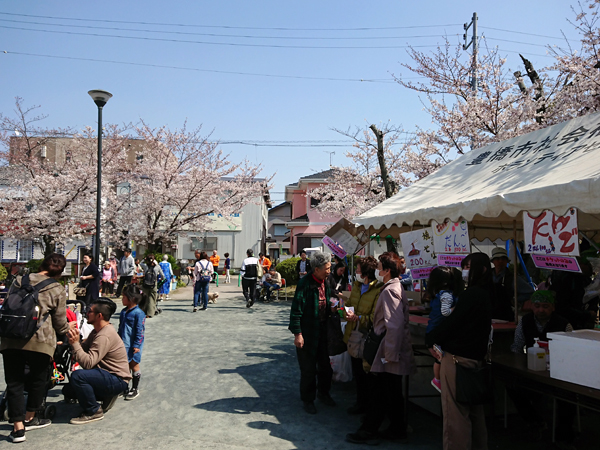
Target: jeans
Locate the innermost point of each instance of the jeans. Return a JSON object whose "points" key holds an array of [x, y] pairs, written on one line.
{"points": [[270, 287], [123, 281], [249, 288], [201, 293], [16, 381], [92, 384]]}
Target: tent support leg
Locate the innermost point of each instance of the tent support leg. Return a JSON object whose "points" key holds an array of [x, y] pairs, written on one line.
{"points": [[515, 269]]}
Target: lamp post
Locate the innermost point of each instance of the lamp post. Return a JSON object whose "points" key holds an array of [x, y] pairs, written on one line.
{"points": [[100, 98]]}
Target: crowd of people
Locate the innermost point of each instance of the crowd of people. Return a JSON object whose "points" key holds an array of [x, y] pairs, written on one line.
{"points": [[459, 336]]}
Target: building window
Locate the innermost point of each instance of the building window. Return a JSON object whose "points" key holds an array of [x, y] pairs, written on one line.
{"points": [[314, 202], [25, 250], [279, 230], [204, 244]]}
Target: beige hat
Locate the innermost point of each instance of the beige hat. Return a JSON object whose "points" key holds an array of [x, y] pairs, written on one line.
{"points": [[499, 252]]}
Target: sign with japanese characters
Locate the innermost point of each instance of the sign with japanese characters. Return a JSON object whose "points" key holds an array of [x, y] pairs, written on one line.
{"points": [[418, 248], [9, 250], [565, 263], [421, 273], [549, 234], [335, 248], [450, 260], [451, 237]]}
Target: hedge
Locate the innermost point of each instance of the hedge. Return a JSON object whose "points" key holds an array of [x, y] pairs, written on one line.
{"points": [[287, 269]]}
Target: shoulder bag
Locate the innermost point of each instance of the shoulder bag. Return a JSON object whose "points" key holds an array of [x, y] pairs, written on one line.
{"points": [[372, 343], [335, 336], [356, 342], [474, 384]]}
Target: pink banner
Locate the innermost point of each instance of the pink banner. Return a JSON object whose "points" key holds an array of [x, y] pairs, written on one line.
{"points": [[450, 260], [421, 273], [334, 247], [565, 263]]}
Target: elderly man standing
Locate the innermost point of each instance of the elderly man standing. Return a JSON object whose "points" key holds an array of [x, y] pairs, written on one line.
{"points": [[308, 321], [503, 292], [126, 271]]}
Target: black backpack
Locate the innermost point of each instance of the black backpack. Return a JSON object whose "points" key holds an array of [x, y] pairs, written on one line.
{"points": [[150, 277], [20, 312]]}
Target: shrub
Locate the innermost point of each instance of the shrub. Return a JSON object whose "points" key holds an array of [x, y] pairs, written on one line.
{"points": [[3, 273], [287, 269], [159, 257], [34, 265]]}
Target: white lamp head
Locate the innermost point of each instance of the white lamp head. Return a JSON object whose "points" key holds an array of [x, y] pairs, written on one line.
{"points": [[100, 97]]}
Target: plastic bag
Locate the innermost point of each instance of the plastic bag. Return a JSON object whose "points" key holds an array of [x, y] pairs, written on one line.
{"points": [[342, 367]]}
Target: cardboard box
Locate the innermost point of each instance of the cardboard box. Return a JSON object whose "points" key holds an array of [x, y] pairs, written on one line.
{"points": [[574, 357]]}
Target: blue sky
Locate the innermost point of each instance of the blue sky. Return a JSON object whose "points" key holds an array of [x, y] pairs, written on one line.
{"points": [[242, 105]]}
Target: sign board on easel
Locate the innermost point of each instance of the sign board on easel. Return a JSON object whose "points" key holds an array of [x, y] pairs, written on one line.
{"points": [[549, 234], [419, 252]]}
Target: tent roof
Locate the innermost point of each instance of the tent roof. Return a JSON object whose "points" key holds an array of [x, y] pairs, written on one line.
{"points": [[553, 168]]}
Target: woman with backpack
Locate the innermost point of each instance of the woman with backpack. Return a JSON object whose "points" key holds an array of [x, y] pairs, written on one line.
{"points": [[203, 271], [34, 351], [149, 285]]}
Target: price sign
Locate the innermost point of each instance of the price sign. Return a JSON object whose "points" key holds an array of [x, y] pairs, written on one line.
{"points": [[549, 234], [451, 237], [418, 248]]}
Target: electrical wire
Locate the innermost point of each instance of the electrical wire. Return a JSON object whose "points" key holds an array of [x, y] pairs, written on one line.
{"points": [[522, 32], [232, 27], [231, 44], [225, 35], [226, 72]]}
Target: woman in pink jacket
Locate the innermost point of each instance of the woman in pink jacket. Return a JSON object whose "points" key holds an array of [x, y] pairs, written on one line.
{"points": [[394, 359]]}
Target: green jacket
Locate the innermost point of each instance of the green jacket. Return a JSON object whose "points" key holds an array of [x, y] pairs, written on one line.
{"points": [[364, 306], [304, 316]]}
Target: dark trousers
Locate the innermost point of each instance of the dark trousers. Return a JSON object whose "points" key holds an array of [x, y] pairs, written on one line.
{"points": [[123, 281], [92, 384], [107, 287], [385, 400], [315, 370], [248, 288], [362, 385], [16, 381]]}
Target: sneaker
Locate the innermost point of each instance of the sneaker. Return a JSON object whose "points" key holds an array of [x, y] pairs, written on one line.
{"points": [[36, 423], [437, 385], [132, 394], [310, 408], [326, 399], [17, 436], [108, 403], [84, 418], [249, 303], [195, 309], [362, 437]]}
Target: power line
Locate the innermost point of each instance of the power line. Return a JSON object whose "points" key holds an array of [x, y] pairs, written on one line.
{"points": [[232, 27], [516, 42], [161, 66], [225, 35], [229, 44], [524, 33]]}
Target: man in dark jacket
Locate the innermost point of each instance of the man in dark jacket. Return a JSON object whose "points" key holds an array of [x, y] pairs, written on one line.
{"points": [[308, 321], [302, 266]]}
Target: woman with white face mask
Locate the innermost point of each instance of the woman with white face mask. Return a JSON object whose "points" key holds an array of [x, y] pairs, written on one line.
{"points": [[363, 298], [394, 359]]}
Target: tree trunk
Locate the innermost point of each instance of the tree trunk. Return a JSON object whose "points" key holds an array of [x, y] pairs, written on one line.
{"points": [[49, 245], [384, 178]]}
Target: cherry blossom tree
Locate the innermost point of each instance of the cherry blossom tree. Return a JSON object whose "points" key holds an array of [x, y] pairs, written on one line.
{"points": [[180, 180], [50, 189]]}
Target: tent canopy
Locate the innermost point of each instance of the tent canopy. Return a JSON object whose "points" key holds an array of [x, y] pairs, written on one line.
{"points": [[554, 168]]}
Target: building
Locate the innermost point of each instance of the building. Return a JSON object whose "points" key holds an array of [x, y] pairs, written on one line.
{"points": [[278, 239], [307, 226]]}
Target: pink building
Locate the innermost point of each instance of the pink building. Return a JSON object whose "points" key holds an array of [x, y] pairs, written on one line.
{"points": [[307, 225]]}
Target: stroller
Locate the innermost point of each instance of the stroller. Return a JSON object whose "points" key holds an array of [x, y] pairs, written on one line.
{"points": [[59, 372]]}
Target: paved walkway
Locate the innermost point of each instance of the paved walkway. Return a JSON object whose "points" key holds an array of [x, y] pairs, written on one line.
{"points": [[225, 378]]}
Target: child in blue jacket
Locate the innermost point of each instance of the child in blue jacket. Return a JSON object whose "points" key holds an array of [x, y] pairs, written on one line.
{"points": [[132, 323]]}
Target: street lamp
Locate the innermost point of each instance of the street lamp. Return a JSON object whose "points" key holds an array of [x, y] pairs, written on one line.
{"points": [[100, 98]]}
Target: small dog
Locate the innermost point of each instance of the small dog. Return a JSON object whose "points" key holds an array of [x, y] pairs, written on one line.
{"points": [[212, 297]]}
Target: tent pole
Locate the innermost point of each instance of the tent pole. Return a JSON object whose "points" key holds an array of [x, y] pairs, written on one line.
{"points": [[514, 258]]}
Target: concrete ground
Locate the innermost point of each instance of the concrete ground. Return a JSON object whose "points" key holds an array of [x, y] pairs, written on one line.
{"points": [[225, 378]]}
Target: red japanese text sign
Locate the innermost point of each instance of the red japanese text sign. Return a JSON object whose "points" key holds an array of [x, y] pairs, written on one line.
{"points": [[549, 234]]}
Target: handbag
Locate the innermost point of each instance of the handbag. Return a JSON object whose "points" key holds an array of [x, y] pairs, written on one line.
{"points": [[372, 343], [80, 291], [335, 335], [473, 384], [356, 342]]}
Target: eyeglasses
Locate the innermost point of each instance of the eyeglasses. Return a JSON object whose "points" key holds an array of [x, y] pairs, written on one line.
{"points": [[91, 311]]}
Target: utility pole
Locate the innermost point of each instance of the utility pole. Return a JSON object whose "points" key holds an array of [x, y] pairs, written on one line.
{"points": [[474, 41]]}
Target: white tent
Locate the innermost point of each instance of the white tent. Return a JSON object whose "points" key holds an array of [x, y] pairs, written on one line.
{"points": [[554, 168]]}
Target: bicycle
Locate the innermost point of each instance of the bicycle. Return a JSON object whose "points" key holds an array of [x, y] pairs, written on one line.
{"points": [[185, 275]]}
